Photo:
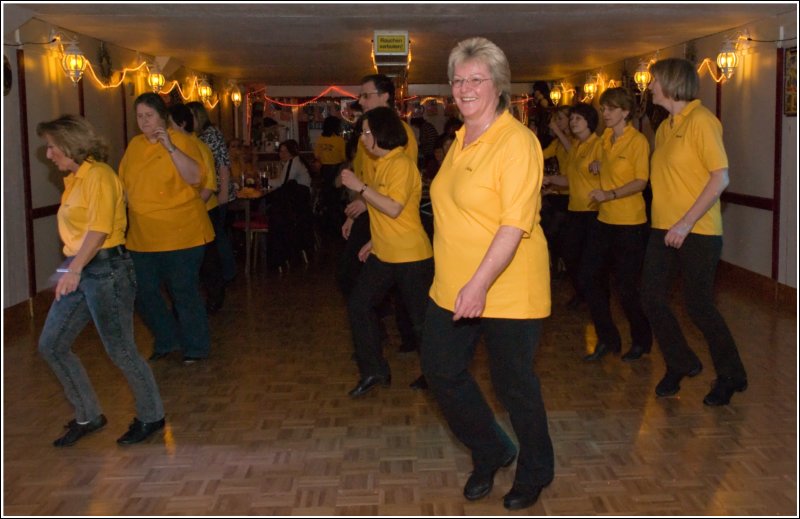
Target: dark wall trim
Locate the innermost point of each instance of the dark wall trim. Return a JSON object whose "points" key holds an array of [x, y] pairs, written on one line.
{"points": [[45, 211], [26, 171], [776, 187], [756, 202], [81, 101]]}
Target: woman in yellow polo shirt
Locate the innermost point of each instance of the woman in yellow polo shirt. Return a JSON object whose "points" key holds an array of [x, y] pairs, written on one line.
{"points": [[688, 173], [97, 283], [492, 278], [168, 229], [398, 253], [581, 176], [616, 239]]}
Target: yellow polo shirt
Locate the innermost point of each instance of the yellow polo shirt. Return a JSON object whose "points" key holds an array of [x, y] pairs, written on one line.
{"points": [[164, 212], [93, 200], [364, 161], [494, 181], [581, 181], [623, 161], [210, 173], [557, 150], [401, 239], [685, 154], [330, 150]]}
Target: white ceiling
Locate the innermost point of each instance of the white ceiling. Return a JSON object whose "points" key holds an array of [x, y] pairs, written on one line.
{"points": [[322, 44]]}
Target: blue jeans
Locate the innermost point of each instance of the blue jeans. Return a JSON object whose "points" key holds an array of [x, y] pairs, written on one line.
{"points": [[180, 269], [697, 259], [105, 295], [447, 351]]}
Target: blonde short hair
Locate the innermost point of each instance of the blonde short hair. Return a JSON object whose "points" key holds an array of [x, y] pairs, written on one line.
{"points": [[486, 52], [76, 137], [678, 78]]}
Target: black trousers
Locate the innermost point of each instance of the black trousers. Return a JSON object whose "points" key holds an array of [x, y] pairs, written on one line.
{"points": [[447, 351], [617, 249], [576, 233], [211, 273], [697, 260], [413, 280]]}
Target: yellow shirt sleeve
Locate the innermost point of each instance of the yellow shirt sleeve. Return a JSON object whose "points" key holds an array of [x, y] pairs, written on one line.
{"points": [[581, 181], [623, 161]]}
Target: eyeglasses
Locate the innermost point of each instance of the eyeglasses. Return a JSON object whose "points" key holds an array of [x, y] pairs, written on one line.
{"points": [[473, 82], [365, 95]]}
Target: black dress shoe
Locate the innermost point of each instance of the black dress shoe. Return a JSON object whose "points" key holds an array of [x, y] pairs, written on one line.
{"points": [[723, 390], [481, 480], [635, 353], [140, 431], [600, 350], [420, 383], [671, 383], [522, 496], [76, 431], [366, 384]]}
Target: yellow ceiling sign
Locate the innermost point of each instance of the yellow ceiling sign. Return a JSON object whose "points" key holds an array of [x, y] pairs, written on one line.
{"points": [[391, 43]]}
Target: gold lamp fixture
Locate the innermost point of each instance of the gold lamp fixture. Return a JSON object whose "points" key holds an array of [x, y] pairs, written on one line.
{"points": [[156, 80], [642, 76], [727, 59], [590, 88], [556, 95], [236, 96], [74, 63], [204, 90]]}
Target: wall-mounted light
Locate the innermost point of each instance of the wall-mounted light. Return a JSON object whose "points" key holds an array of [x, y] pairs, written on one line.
{"points": [[204, 90], [642, 76], [236, 96], [590, 88], [555, 95], [74, 63], [727, 59], [156, 80]]}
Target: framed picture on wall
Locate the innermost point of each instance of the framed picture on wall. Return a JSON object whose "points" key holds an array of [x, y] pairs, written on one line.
{"points": [[790, 81]]}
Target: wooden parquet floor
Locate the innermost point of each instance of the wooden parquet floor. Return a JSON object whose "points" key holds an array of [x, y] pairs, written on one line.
{"points": [[265, 426]]}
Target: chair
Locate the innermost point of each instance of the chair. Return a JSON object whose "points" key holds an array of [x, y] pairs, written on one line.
{"points": [[253, 227]]}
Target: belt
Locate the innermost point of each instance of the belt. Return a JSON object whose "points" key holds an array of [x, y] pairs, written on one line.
{"points": [[111, 252]]}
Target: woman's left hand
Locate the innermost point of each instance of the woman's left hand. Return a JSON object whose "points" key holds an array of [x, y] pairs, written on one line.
{"points": [[470, 302], [676, 234], [67, 284], [599, 196], [594, 167]]}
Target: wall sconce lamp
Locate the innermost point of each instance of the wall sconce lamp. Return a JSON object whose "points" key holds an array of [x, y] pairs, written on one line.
{"points": [[156, 80], [556, 95], [204, 90], [236, 95], [642, 76], [74, 63], [590, 88], [727, 59]]}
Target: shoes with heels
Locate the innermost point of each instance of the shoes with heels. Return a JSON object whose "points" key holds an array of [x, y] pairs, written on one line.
{"points": [[76, 431], [140, 431], [671, 383], [366, 384], [723, 390], [600, 351], [481, 480], [522, 496]]}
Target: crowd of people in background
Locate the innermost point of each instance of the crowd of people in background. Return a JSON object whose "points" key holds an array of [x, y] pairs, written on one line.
{"points": [[500, 207]]}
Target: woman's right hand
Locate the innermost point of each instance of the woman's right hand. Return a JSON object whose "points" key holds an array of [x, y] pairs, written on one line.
{"points": [[162, 136], [346, 228], [470, 302], [355, 208]]}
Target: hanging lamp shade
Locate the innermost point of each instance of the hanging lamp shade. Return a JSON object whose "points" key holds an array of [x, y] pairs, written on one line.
{"points": [[74, 63]]}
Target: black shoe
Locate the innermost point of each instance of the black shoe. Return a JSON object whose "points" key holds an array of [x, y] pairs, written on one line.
{"points": [[600, 350], [635, 353], [420, 383], [481, 481], [158, 355], [522, 496], [76, 431], [140, 431], [366, 384], [671, 383], [723, 390]]}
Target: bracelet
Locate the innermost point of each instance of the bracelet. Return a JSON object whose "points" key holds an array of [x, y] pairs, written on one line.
{"points": [[172, 150], [364, 188], [614, 193]]}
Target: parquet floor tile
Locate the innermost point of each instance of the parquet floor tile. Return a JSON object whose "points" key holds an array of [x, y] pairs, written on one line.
{"points": [[265, 426]]}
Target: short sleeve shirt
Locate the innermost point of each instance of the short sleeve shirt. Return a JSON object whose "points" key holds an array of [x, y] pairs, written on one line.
{"points": [[581, 180], [624, 160]]}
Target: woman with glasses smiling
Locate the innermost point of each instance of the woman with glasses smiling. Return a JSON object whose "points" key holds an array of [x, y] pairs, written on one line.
{"points": [[492, 278]]}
